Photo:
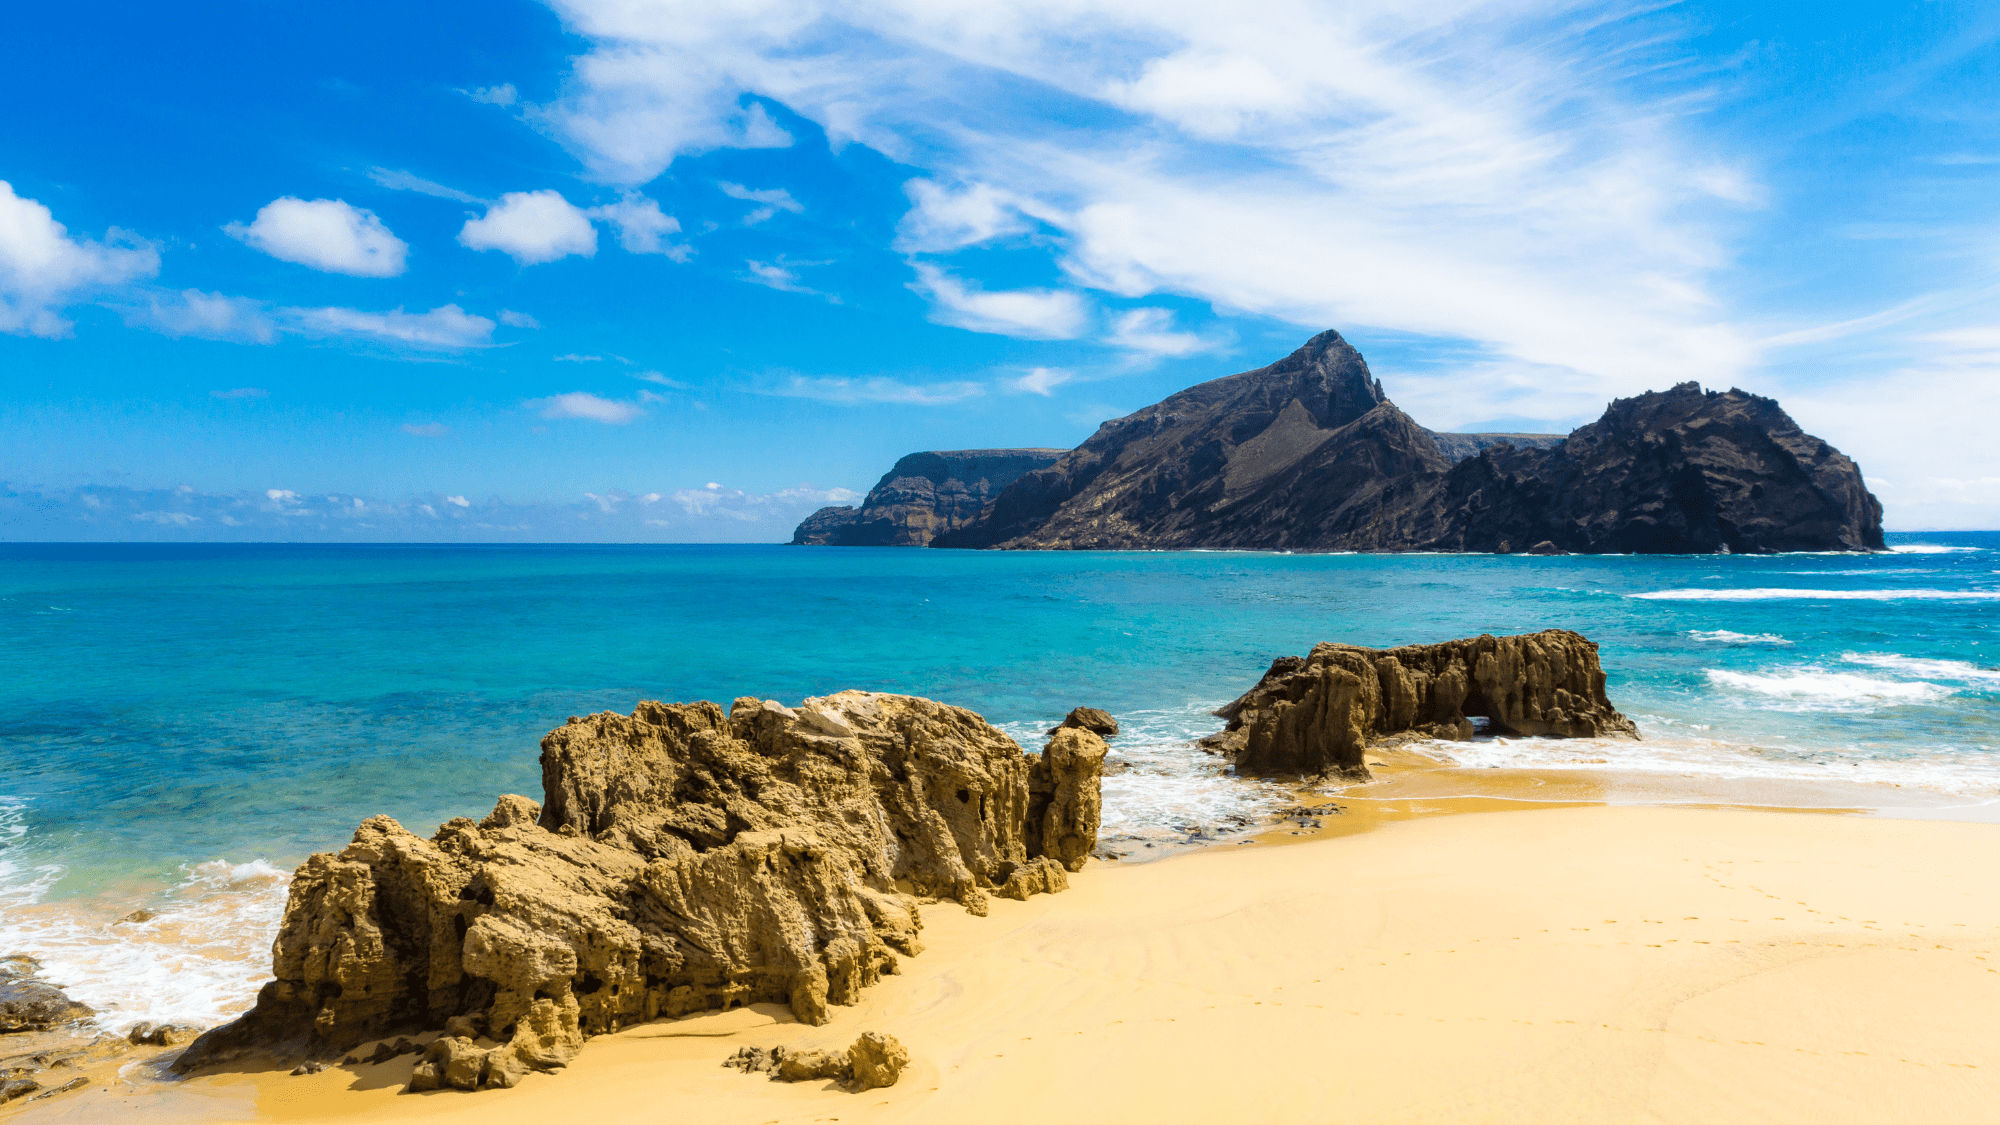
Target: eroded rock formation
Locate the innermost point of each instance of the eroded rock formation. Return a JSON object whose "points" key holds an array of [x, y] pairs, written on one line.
{"points": [[683, 859], [874, 1061], [1092, 719], [1316, 714], [922, 497]]}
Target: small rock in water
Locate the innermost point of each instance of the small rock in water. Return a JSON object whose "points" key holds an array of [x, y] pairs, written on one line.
{"points": [[161, 1035], [141, 915], [1092, 719]]}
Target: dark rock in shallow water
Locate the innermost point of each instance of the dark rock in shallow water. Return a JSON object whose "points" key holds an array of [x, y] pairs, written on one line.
{"points": [[682, 859], [28, 1004], [1315, 715], [1092, 719], [922, 497], [1307, 454]]}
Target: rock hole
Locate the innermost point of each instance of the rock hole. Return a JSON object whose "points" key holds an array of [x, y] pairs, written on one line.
{"points": [[964, 796]]}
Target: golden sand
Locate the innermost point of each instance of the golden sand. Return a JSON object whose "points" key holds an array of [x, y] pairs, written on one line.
{"points": [[1588, 964]]}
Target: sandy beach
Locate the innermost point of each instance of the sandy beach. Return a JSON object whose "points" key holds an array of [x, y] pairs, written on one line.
{"points": [[1565, 964]]}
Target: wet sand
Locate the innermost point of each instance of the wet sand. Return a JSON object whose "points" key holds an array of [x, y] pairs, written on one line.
{"points": [[1588, 963]]}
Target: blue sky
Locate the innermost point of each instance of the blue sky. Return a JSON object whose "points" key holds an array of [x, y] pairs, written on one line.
{"points": [[646, 270]]}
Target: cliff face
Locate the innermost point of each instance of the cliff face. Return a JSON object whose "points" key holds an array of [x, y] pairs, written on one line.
{"points": [[685, 859], [1681, 470], [1316, 714], [1307, 454], [922, 497]]}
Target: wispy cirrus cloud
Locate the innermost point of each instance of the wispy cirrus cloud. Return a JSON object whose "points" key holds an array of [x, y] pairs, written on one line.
{"points": [[1512, 175], [587, 407], [883, 389], [215, 316], [1033, 314]]}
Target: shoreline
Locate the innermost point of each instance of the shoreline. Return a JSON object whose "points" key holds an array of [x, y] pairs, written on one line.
{"points": [[1577, 963]]}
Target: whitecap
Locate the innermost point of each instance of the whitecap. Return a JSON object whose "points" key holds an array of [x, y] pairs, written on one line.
{"points": [[1780, 594], [1928, 549], [1725, 637], [1818, 689], [1922, 666]]}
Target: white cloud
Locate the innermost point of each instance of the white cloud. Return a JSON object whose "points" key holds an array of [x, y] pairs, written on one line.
{"points": [[877, 389], [213, 316], [241, 392], [1151, 332], [532, 227], [174, 519], [43, 270], [587, 406], [1033, 314], [772, 200], [503, 94], [642, 228], [574, 358], [782, 275], [427, 429], [206, 316], [1041, 381], [941, 219], [404, 181], [326, 234], [460, 501], [1518, 175], [448, 327], [656, 377], [513, 319]]}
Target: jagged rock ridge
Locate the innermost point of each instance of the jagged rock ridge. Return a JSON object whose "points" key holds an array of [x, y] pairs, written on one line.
{"points": [[685, 859], [1308, 454], [922, 497], [1316, 714]]}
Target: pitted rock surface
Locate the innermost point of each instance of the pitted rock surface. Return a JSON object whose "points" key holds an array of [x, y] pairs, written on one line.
{"points": [[1316, 714], [682, 859]]}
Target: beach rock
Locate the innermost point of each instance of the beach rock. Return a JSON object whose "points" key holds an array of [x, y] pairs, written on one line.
{"points": [[1038, 876], [73, 1084], [807, 1066], [1065, 798], [1097, 722], [17, 1088], [28, 1004], [877, 1061], [923, 496], [140, 915], [161, 1035], [1309, 454], [682, 859], [1315, 715]]}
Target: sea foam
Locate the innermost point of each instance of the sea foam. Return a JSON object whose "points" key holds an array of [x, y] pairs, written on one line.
{"points": [[1818, 689], [1725, 637]]}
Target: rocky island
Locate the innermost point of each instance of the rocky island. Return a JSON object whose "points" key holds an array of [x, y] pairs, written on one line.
{"points": [[922, 497], [1309, 454]]}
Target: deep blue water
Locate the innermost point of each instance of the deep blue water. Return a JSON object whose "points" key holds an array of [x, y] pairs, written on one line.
{"points": [[168, 707]]}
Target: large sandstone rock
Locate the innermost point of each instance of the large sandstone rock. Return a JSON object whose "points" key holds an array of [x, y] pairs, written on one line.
{"points": [[682, 859], [1316, 714], [923, 496]]}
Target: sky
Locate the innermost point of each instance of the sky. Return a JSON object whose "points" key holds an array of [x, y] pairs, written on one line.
{"points": [[655, 271]]}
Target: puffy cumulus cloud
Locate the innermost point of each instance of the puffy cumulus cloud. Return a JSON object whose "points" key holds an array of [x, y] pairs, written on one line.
{"points": [[43, 270], [532, 227], [707, 514], [1032, 314], [213, 316], [586, 406], [876, 389], [1151, 332], [1516, 175], [643, 228], [326, 234]]}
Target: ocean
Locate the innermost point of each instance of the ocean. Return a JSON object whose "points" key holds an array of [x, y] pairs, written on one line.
{"points": [[181, 724]]}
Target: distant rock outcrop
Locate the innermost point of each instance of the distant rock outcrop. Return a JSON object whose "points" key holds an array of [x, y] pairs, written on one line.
{"points": [[922, 497], [1308, 454], [1316, 714], [684, 859]]}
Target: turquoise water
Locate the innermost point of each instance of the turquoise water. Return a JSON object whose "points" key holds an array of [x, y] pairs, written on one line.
{"points": [[181, 724]]}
